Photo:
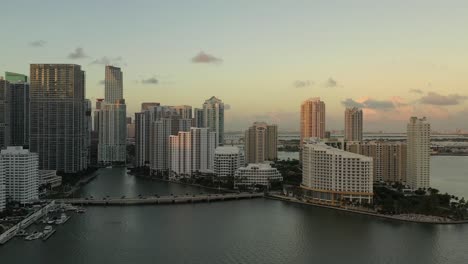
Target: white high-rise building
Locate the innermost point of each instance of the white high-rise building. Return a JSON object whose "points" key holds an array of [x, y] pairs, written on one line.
{"points": [[256, 174], [418, 153], [21, 174], [213, 117], [192, 152], [143, 121], [331, 175], [2, 187], [353, 124], [227, 160], [112, 126]]}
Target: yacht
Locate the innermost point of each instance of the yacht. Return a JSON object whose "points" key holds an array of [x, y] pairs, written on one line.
{"points": [[62, 220], [22, 233], [34, 236], [48, 232], [80, 210]]}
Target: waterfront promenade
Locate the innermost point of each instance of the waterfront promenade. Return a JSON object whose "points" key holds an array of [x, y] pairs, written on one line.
{"points": [[172, 199]]}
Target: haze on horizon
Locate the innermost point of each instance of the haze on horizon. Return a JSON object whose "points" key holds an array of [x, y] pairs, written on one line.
{"points": [[262, 58]]}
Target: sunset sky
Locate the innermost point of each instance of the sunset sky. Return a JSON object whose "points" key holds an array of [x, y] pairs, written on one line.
{"points": [[262, 58]]}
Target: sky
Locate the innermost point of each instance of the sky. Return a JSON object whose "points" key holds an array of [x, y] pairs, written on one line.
{"points": [[394, 59]]}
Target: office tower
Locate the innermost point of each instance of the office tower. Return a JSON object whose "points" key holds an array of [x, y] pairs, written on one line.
{"points": [[112, 147], [4, 113], [213, 117], [165, 122], [389, 159], [57, 96], [19, 112], [13, 77], [331, 175], [143, 121], [261, 142], [88, 127], [227, 160], [203, 146], [184, 111], [256, 174], [21, 174], [353, 124], [312, 119], [2, 187], [99, 103], [419, 153], [198, 117], [180, 155]]}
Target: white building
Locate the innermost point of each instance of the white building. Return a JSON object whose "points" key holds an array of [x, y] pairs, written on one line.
{"points": [[112, 125], [418, 153], [331, 175], [213, 117], [227, 160], [191, 152], [2, 187], [21, 174], [256, 174]]}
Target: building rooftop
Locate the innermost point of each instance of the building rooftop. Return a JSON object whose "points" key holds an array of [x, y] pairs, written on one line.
{"points": [[227, 150]]}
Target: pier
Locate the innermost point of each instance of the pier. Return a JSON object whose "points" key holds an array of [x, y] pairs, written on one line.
{"points": [[173, 199]]}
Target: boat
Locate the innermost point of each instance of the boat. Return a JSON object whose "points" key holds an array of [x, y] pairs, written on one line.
{"points": [[48, 232], [51, 222], [80, 210], [34, 236], [22, 233], [62, 220]]}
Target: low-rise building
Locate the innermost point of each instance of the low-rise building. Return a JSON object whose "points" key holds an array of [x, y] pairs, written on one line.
{"points": [[49, 178], [256, 174]]}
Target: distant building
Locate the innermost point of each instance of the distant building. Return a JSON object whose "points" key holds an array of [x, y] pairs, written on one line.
{"points": [[18, 96], [256, 174], [13, 77], [57, 130], [213, 117], [353, 124], [198, 117], [331, 175], [227, 160], [389, 159], [184, 111], [419, 153], [312, 119], [2, 186], [4, 113], [142, 123], [49, 178], [21, 174], [261, 143]]}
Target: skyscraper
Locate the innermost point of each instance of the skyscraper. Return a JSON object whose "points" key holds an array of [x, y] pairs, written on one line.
{"points": [[112, 117], [213, 117], [4, 113], [57, 129], [184, 111], [2, 187], [312, 119], [261, 142], [198, 117], [353, 124], [143, 121], [419, 153]]}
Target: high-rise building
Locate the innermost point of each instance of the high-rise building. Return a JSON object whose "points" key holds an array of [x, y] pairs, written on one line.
{"points": [[353, 124], [261, 143], [143, 122], [19, 113], [148, 106], [180, 155], [4, 113], [312, 119], [57, 132], [184, 111], [227, 160], [198, 117], [21, 174], [98, 107], [2, 187], [256, 174], [88, 126], [389, 159], [112, 117], [419, 153], [213, 117], [331, 175], [13, 77], [203, 146]]}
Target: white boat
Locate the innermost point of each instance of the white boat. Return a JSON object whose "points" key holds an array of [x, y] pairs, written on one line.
{"points": [[62, 220], [80, 210], [51, 222], [22, 233], [34, 236], [48, 232]]}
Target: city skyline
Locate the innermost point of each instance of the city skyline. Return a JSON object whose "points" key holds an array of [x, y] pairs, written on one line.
{"points": [[391, 68]]}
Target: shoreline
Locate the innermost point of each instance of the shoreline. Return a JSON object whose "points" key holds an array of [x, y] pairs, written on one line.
{"points": [[382, 216]]}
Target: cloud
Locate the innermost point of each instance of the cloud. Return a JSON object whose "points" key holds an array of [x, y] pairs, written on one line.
{"points": [[433, 98], [302, 84], [37, 43], [77, 54], [331, 83], [151, 80], [109, 61], [203, 57], [418, 91], [369, 103]]}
